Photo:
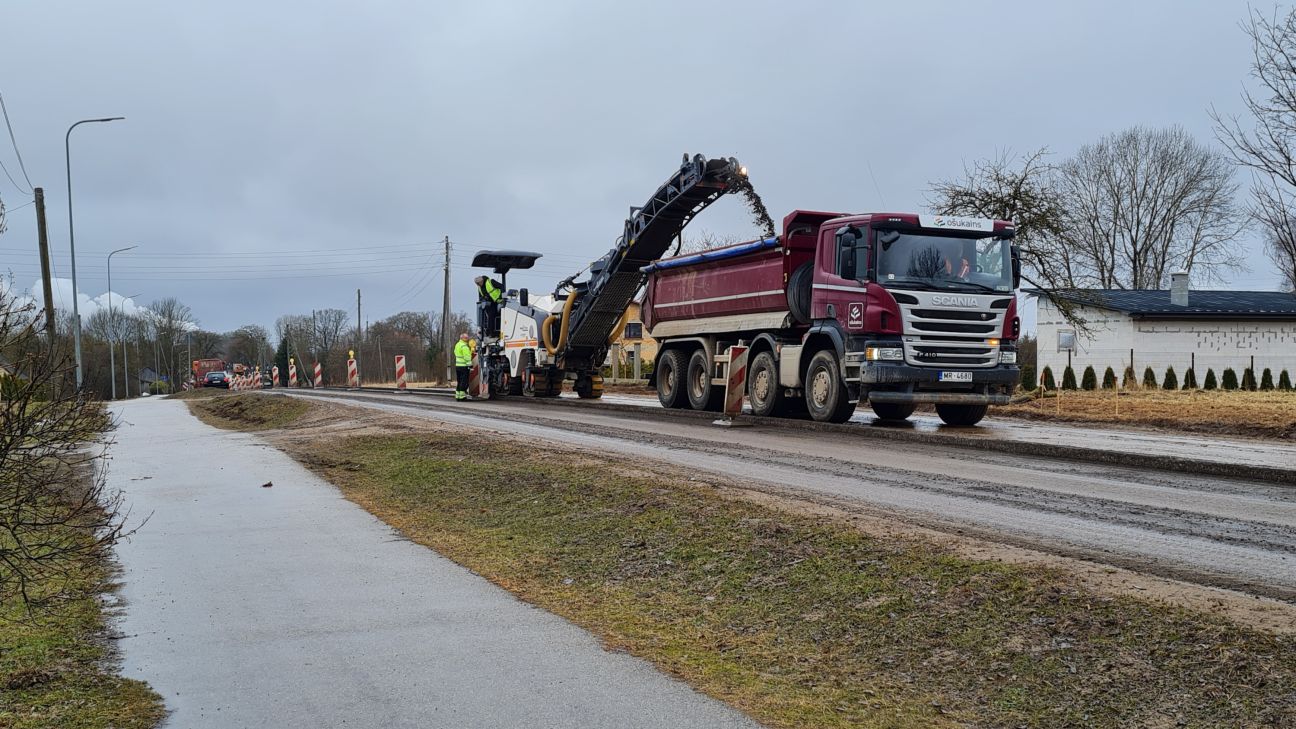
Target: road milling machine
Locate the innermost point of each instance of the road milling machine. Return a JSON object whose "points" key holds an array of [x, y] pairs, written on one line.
{"points": [[535, 344]]}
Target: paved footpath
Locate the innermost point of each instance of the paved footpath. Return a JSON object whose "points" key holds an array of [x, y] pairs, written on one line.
{"points": [[292, 607]]}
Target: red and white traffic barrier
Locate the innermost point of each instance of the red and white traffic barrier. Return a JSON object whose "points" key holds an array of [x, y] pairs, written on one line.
{"points": [[353, 374], [274, 376], [292, 374], [319, 375], [735, 386], [400, 371], [474, 377], [256, 379]]}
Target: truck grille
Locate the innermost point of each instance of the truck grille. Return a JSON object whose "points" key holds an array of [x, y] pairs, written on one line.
{"points": [[935, 336]]}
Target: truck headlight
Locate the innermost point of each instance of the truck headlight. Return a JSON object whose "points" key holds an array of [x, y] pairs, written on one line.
{"points": [[1007, 357], [874, 354]]}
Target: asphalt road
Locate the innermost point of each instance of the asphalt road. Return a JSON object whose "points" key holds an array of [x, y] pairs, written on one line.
{"points": [[1223, 532], [1143, 441], [288, 606]]}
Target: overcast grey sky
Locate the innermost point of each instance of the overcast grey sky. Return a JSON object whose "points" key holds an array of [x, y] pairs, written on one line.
{"points": [[277, 156]]}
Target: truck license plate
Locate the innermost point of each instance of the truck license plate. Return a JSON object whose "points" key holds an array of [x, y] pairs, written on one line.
{"points": [[956, 377]]}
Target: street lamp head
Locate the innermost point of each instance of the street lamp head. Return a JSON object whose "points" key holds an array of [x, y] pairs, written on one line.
{"points": [[109, 118]]}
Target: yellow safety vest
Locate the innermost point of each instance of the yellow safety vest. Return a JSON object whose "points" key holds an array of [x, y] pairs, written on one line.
{"points": [[493, 292], [463, 354]]}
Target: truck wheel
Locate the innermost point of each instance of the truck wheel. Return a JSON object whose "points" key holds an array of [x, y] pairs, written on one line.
{"points": [[670, 379], [961, 415], [702, 395], [825, 393], [763, 386], [892, 410], [589, 387]]}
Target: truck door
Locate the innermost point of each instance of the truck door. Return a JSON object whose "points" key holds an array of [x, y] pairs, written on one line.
{"points": [[840, 264]]}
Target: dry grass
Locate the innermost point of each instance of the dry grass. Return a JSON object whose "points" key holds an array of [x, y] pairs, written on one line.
{"points": [[1264, 414], [803, 620], [249, 411]]}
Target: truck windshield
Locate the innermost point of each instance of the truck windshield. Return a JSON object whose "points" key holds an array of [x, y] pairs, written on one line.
{"points": [[943, 262]]}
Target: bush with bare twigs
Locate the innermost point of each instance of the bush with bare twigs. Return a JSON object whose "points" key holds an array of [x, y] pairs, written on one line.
{"points": [[55, 506]]}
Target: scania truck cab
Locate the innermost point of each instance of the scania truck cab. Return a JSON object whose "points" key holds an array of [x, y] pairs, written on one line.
{"points": [[923, 309]]}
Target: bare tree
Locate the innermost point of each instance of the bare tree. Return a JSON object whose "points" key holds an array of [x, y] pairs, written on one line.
{"points": [[249, 343], [328, 328], [206, 345], [172, 321], [1269, 148], [1023, 190], [55, 507], [1141, 204], [1123, 213]]}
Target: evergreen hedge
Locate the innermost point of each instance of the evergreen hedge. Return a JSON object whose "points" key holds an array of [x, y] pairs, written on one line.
{"points": [[1210, 383], [1068, 379], [1229, 381], [1266, 380], [1190, 379], [1171, 382], [1089, 380], [1049, 382], [1149, 378], [1109, 379]]}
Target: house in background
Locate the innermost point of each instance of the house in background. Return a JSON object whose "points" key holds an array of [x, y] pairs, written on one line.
{"points": [[634, 334], [1176, 328]]}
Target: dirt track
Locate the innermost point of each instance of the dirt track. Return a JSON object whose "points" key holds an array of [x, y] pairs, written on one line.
{"points": [[1214, 531]]}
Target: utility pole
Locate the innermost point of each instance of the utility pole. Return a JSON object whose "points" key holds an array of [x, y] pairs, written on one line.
{"points": [[446, 337], [359, 332], [42, 238]]}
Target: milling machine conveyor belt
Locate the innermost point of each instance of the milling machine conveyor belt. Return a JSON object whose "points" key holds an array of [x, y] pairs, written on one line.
{"points": [[649, 232]]}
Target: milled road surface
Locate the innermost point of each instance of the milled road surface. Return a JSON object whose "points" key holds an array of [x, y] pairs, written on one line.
{"points": [[1215, 531], [1144, 441], [289, 606]]}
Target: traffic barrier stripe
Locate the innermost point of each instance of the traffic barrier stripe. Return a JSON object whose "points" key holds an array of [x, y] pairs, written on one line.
{"points": [[400, 371], [736, 383]]}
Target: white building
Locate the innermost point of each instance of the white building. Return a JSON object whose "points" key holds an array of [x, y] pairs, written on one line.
{"points": [[1177, 328]]}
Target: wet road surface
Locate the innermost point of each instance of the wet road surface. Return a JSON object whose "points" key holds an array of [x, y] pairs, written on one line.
{"points": [[288, 606], [1224, 532], [1145, 441]]}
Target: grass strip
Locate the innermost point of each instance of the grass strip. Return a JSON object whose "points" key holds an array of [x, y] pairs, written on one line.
{"points": [[803, 621], [248, 411], [55, 667]]}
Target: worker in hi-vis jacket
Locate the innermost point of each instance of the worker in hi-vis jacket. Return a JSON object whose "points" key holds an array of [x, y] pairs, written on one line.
{"points": [[489, 294], [463, 366]]}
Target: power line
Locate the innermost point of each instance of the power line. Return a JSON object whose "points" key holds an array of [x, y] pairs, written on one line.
{"points": [[17, 154]]}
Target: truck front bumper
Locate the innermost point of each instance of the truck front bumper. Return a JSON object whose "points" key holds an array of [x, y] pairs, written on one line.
{"points": [[902, 383]]}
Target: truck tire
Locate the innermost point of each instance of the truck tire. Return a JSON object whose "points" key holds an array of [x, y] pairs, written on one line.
{"points": [[702, 395], [763, 389], [825, 393], [961, 415], [891, 410], [799, 290], [670, 379], [589, 387]]}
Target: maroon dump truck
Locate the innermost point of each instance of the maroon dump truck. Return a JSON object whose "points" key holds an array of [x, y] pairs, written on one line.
{"points": [[893, 309]]}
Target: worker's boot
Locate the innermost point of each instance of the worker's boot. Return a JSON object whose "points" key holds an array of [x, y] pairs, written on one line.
{"points": [[461, 395]]}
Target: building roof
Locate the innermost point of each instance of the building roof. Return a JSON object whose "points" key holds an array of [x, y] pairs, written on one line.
{"points": [[1155, 303]]}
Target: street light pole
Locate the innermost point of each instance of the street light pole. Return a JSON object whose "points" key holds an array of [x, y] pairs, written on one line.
{"points": [[76, 309], [125, 362], [112, 319]]}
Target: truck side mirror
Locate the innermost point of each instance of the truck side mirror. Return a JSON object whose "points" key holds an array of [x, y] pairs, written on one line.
{"points": [[847, 240], [846, 260], [1016, 266], [524, 297]]}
